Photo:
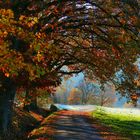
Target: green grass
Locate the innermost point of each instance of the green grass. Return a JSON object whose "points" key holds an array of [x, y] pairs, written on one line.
{"points": [[125, 124]]}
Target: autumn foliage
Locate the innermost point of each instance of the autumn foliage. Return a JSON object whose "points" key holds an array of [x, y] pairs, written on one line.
{"points": [[38, 38]]}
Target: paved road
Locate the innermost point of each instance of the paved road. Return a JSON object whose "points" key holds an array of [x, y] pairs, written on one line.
{"points": [[73, 125]]}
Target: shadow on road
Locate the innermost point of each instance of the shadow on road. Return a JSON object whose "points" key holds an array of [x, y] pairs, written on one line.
{"points": [[70, 125]]}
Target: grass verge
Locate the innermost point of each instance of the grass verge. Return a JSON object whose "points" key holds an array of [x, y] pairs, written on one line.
{"points": [[44, 131], [127, 125]]}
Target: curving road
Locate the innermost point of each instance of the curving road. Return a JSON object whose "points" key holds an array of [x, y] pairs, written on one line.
{"points": [[73, 125]]}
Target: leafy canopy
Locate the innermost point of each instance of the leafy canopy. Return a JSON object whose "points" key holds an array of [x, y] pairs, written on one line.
{"points": [[38, 38]]}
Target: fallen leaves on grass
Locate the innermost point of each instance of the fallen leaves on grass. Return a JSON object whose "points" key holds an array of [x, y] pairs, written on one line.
{"points": [[105, 131], [36, 116]]}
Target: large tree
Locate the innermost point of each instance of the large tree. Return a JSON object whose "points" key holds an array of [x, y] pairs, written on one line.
{"points": [[38, 38]]}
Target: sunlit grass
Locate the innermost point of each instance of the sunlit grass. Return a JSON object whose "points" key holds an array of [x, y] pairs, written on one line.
{"points": [[126, 124]]}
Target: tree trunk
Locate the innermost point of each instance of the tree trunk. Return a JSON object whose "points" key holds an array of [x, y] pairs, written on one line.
{"points": [[101, 102], [7, 94], [135, 103], [32, 99]]}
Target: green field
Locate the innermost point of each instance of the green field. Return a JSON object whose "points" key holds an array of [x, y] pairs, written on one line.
{"points": [[124, 124]]}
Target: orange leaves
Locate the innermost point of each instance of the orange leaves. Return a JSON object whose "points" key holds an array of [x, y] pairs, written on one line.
{"points": [[8, 13], [22, 17], [116, 52], [13, 61], [113, 50], [7, 74], [5, 19], [133, 20], [4, 69], [100, 53], [5, 33], [137, 82], [28, 21], [53, 9], [40, 35], [56, 10], [134, 97], [36, 116], [123, 21]]}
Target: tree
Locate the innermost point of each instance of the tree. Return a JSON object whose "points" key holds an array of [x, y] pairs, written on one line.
{"points": [[74, 97], [92, 93], [106, 97], [62, 91], [127, 83], [88, 91], [22, 60], [38, 38]]}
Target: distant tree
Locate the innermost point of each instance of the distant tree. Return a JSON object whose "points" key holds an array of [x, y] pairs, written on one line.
{"points": [[92, 93], [88, 91], [74, 96], [106, 97], [62, 92]]}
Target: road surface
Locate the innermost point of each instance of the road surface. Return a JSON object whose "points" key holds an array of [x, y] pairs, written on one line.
{"points": [[74, 126], [67, 125], [73, 123]]}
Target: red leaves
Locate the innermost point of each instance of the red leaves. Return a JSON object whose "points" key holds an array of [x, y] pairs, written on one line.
{"points": [[116, 52]]}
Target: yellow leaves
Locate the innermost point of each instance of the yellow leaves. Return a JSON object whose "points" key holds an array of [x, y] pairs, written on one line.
{"points": [[35, 19], [38, 35], [28, 21], [39, 56], [31, 23]]}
